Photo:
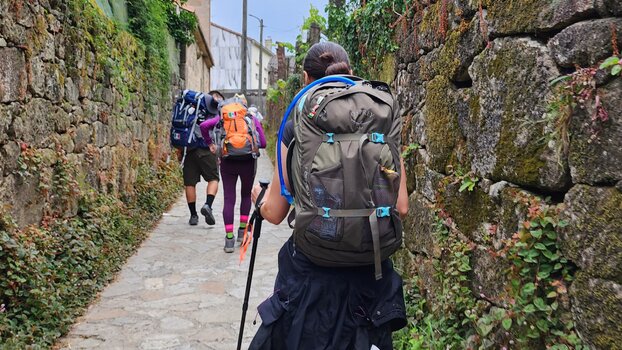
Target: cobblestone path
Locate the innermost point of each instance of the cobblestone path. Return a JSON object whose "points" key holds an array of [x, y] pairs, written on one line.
{"points": [[180, 290]]}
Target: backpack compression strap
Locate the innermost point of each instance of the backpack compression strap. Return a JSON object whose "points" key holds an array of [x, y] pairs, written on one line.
{"points": [[373, 214], [284, 192], [194, 124]]}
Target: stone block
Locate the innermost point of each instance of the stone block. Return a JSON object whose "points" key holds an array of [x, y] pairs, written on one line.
{"points": [[596, 147], [511, 82], [13, 77], [458, 52], [470, 210], [597, 310], [100, 134], [10, 154], [441, 123], [71, 91], [82, 137], [427, 181], [593, 238], [507, 17], [420, 227], [34, 125], [586, 43], [489, 277]]}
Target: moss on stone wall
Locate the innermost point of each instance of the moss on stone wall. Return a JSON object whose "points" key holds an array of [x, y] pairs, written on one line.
{"points": [[83, 165], [441, 123]]}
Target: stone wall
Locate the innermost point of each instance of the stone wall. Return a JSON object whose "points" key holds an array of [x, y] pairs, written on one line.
{"points": [[74, 85], [474, 85]]}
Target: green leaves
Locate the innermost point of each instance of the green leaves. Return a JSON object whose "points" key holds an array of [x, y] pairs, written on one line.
{"points": [[468, 183], [611, 61], [614, 63], [528, 289], [410, 150], [507, 324]]}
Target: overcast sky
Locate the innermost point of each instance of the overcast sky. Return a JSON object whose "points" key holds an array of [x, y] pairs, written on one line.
{"points": [[282, 18]]}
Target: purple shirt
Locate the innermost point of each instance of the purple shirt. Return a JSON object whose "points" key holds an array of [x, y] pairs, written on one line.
{"points": [[209, 124]]}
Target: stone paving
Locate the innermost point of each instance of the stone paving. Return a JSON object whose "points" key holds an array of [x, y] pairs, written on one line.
{"points": [[180, 290]]}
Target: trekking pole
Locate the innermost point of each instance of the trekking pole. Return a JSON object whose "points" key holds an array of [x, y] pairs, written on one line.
{"points": [[256, 233]]}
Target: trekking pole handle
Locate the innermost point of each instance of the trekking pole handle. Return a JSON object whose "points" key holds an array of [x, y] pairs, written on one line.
{"points": [[264, 186]]}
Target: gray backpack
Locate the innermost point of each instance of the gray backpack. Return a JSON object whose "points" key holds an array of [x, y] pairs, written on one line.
{"points": [[344, 167]]}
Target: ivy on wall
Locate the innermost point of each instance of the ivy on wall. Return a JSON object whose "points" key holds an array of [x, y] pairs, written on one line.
{"points": [[51, 272], [366, 29]]}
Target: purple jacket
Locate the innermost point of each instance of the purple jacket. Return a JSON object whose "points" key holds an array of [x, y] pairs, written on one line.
{"points": [[209, 124]]}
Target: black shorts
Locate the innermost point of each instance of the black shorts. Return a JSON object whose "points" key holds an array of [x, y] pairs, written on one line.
{"points": [[200, 162]]}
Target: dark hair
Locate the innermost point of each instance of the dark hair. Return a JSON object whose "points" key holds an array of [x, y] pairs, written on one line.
{"points": [[216, 92], [326, 58]]}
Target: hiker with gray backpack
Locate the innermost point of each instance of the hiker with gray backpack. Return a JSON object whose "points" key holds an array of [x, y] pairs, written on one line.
{"points": [[339, 165]]}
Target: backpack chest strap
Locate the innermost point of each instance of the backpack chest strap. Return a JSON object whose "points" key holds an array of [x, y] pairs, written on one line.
{"points": [[381, 212], [373, 137]]}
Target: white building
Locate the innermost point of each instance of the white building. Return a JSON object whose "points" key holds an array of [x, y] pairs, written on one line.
{"points": [[226, 49]]}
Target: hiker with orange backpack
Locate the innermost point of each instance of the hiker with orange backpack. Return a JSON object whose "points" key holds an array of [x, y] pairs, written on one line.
{"points": [[238, 136], [339, 163]]}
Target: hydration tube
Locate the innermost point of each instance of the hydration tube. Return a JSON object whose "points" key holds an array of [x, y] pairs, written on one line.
{"points": [[284, 192]]}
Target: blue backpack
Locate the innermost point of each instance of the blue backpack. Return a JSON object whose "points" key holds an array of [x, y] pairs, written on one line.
{"points": [[189, 110]]}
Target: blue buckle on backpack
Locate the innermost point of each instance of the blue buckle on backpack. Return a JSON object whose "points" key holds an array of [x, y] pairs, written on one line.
{"points": [[377, 138], [326, 213], [330, 136], [383, 212]]}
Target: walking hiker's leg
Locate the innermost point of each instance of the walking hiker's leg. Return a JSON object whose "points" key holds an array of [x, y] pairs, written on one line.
{"points": [[229, 182], [191, 176], [247, 177], [191, 194], [209, 170]]}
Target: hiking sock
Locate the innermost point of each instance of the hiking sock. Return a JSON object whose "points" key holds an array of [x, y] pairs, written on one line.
{"points": [[210, 200], [229, 230], [243, 221], [193, 208]]}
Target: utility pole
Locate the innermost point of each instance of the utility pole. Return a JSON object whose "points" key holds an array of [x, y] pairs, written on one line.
{"points": [[261, 26], [244, 46]]}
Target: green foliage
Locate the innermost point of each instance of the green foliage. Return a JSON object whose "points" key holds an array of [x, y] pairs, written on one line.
{"points": [[182, 25], [468, 182], [409, 151], [314, 17], [51, 272], [449, 321], [367, 33], [301, 47], [29, 162], [614, 63], [149, 23], [532, 311], [539, 278], [572, 92], [54, 271]]}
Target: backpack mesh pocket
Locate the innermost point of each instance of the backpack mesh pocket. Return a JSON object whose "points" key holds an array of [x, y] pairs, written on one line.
{"points": [[326, 189]]}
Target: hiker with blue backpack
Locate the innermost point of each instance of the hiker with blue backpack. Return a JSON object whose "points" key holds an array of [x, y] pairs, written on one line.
{"points": [[340, 167], [193, 152], [237, 135]]}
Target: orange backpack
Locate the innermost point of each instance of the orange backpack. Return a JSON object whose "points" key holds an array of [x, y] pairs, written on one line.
{"points": [[237, 135]]}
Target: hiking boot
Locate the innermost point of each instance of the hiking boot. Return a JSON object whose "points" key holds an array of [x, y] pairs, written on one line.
{"points": [[229, 244], [240, 235], [194, 220], [207, 212]]}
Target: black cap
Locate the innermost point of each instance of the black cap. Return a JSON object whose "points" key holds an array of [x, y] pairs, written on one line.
{"points": [[211, 105]]}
